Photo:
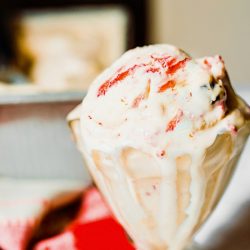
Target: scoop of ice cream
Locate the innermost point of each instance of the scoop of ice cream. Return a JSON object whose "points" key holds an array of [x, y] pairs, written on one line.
{"points": [[151, 93], [161, 132]]}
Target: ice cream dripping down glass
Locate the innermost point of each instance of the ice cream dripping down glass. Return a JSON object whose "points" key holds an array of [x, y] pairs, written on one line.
{"points": [[161, 133]]}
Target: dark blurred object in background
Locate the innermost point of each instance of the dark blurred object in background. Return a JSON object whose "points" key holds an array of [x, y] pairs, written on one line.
{"points": [[6, 49]]}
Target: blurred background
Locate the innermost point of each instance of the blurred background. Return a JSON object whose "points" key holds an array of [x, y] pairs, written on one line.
{"points": [[59, 44], [65, 44], [205, 28]]}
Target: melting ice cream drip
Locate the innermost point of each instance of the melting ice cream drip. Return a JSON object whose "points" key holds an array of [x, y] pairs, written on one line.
{"points": [[161, 133]]}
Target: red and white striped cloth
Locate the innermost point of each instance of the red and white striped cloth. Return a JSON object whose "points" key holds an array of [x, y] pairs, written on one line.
{"points": [[93, 229], [23, 204]]}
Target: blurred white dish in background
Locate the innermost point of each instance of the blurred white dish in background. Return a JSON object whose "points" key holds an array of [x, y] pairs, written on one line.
{"points": [[68, 48]]}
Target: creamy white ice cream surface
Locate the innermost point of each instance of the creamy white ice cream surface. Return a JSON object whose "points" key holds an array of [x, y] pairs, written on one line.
{"points": [[161, 133]]}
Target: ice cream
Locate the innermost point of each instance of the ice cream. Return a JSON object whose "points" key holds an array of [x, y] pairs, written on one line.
{"points": [[161, 133]]}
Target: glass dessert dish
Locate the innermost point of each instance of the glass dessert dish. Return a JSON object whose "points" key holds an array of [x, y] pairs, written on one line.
{"points": [[161, 134]]}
